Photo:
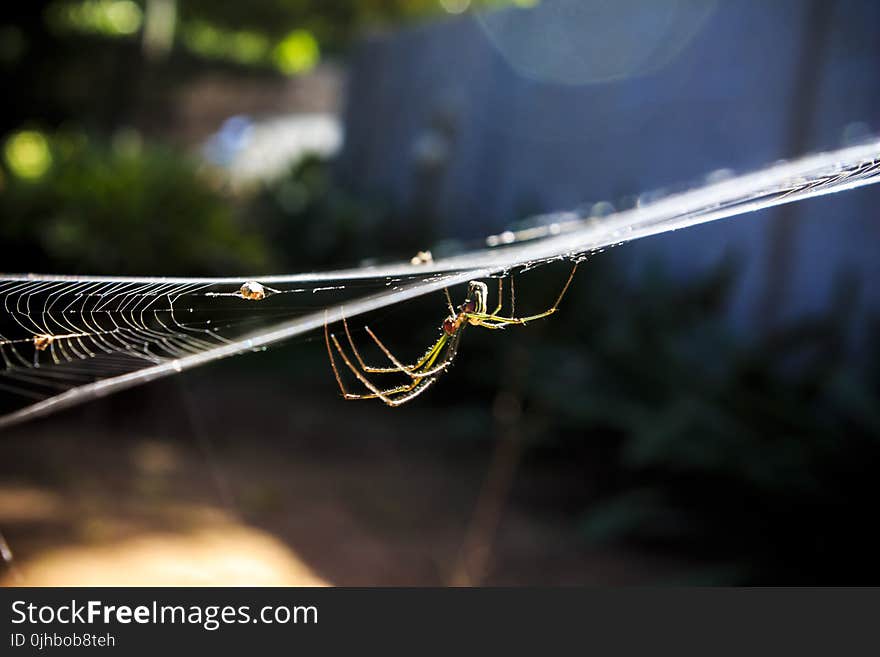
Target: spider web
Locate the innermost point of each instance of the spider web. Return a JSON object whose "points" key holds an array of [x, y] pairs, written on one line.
{"points": [[59, 334], [67, 339]]}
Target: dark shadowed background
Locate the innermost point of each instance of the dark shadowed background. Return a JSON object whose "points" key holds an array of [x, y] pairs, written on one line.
{"points": [[704, 409]]}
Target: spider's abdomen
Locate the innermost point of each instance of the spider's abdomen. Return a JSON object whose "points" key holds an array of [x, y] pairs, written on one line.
{"points": [[449, 326]]}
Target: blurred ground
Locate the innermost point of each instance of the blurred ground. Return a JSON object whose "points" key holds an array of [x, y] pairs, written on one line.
{"points": [[283, 490]]}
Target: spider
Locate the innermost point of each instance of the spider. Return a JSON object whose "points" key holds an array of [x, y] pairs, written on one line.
{"points": [[425, 372], [43, 341], [252, 291]]}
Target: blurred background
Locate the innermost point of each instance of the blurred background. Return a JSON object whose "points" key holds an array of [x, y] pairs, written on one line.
{"points": [[705, 409]]}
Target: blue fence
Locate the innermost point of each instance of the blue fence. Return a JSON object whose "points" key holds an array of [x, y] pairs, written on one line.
{"points": [[479, 121]]}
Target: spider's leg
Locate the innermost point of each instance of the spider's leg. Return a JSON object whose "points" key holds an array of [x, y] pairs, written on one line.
{"points": [[430, 360], [432, 365], [347, 395], [449, 301], [413, 370], [399, 367], [423, 384], [500, 322], [333, 360], [427, 382], [500, 296], [481, 318], [512, 298], [377, 392], [412, 391]]}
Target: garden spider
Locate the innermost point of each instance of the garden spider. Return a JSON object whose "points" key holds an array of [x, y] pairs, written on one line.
{"points": [[425, 372]]}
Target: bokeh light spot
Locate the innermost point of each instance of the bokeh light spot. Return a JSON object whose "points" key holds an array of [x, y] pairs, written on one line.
{"points": [[539, 44], [249, 47], [214, 42], [298, 52], [455, 6], [107, 17], [28, 154], [123, 16]]}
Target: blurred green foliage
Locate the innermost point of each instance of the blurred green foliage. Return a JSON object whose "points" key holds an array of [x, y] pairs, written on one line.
{"points": [[110, 64], [71, 204], [286, 34], [335, 24], [313, 223], [756, 454]]}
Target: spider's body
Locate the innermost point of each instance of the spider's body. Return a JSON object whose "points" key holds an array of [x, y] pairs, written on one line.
{"points": [[468, 312], [252, 291], [426, 371], [43, 341]]}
